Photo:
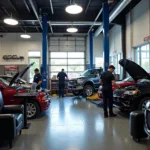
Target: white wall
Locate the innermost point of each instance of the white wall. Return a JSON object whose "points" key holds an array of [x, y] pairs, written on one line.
{"points": [[138, 26], [97, 48], [115, 40], [12, 44]]}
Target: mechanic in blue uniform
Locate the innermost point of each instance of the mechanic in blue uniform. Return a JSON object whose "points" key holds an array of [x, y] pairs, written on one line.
{"points": [[61, 77], [107, 80], [37, 78]]}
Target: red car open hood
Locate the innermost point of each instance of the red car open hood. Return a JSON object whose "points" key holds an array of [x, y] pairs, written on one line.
{"points": [[18, 75], [134, 70]]}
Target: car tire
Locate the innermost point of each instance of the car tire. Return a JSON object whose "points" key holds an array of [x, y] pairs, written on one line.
{"points": [[76, 93], [143, 102], [33, 109], [88, 90]]}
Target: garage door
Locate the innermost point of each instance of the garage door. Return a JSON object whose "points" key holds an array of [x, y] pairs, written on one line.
{"points": [[67, 53]]}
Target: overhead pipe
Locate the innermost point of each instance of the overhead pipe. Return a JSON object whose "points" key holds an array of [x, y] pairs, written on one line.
{"points": [[88, 6], [35, 12], [78, 23], [51, 5], [50, 27], [95, 19], [27, 7], [116, 11]]}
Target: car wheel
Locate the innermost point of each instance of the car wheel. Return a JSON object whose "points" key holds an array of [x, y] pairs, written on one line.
{"points": [[88, 90], [76, 93], [142, 105], [33, 109]]}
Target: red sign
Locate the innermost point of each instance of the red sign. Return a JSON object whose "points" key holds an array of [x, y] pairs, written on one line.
{"points": [[147, 38], [11, 67], [11, 70]]}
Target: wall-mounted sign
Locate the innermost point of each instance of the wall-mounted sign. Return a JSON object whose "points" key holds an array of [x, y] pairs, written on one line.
{"points": [[11, 70], [147, 38]]}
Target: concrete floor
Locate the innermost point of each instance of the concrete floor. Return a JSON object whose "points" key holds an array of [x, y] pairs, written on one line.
{"points": [[76, 124]]}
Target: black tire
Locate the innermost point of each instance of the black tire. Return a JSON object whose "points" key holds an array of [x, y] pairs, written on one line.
{"points": [[35, 106], [88, 93], [76, 93], [143, 103]]}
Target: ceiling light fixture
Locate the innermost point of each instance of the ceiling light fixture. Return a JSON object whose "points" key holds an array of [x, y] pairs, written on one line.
{"points": [[74, 9], [72, 30], [25, 36], [11, 21]]}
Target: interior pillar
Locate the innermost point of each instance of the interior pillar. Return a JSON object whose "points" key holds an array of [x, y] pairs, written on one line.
{"points": [[106, 34], [44, 51], [91, 48]]}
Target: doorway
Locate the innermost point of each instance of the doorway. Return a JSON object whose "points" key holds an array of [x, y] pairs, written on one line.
{"points": [[37, 62]]}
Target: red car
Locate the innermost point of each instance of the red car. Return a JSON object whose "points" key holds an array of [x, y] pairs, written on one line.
{"points": [[34, 106], [126, 82]]}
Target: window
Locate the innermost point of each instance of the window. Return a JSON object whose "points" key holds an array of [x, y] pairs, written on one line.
{"points": [[114, 60], [34, 53], [142, 56], [72, 62], [99, 62]]}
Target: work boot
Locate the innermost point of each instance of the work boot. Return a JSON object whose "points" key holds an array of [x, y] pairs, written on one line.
{"points": [[105, 114], [112, 114]]}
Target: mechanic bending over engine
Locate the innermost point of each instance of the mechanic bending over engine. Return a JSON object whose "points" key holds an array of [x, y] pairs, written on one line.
{"points": [[37, 78], [107, 80]]}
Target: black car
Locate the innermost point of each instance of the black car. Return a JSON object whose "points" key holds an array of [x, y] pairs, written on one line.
{"points": [[86, 83], [133, 97]]}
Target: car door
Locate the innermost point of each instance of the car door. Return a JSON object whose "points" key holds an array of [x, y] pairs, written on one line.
{"points": [[96, 78], [8, 94]]}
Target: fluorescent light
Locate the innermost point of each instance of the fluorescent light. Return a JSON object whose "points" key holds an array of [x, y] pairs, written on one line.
{"points": [[74, 9], [72, 30], [11, 21], [25, 36]]}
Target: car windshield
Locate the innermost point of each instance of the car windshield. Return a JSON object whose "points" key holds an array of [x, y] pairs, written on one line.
{"points": [[4, 81], [128, 79]]}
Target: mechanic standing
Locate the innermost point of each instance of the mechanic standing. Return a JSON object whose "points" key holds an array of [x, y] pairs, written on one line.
{"points": [[37, 78], [107, 80], [61, 77]]}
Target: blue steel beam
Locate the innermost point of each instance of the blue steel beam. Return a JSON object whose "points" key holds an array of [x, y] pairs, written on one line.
{"points": [[91, 48], [44, 52], [106, 34]]}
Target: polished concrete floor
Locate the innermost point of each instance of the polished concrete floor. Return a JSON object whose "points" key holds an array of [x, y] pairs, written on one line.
{"points": [[73, 123]]}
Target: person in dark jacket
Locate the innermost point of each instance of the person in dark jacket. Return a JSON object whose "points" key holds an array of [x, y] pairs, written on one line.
{"points": [[61, 77], [37, 78], [107, 80]]}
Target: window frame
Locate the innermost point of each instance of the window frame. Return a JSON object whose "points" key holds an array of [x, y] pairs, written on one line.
{"points": [[67, 65]]}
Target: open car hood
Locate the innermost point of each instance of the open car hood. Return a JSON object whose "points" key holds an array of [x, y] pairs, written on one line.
{"points": [[134, 70], [18, 75]]}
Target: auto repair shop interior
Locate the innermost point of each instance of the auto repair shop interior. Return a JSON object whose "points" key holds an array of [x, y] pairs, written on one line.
{"points": [[83, 37]]}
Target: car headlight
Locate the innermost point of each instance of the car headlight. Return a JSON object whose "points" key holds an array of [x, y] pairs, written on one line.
{"points": [[133, 92], [80, 81]]}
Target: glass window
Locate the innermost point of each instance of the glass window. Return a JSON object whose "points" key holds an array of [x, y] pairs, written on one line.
{"points": [[73, 74], [142, 56], [72, 62], [75, 68], [58, 61], [75, 54], [99, 62], [75, 61], [58, 54], [34, 53], [58, 68]]}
